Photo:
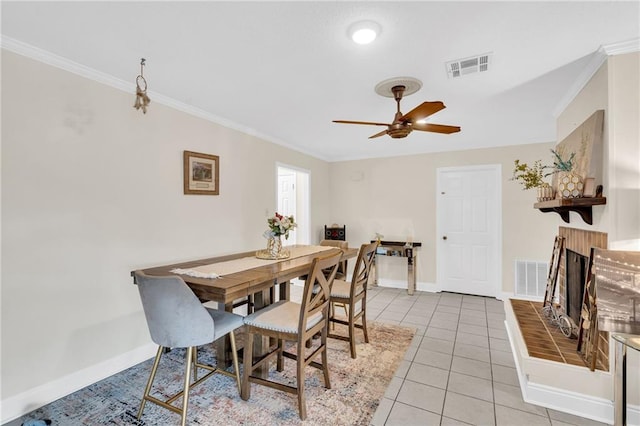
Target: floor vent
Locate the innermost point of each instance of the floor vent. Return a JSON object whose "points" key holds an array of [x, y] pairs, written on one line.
{"points": [[531, 279], [472, 65]]}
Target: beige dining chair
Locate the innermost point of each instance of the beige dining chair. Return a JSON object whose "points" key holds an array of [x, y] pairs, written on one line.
{"points": [[177, 319], [342, 266], [352, 296], [286, 321]]}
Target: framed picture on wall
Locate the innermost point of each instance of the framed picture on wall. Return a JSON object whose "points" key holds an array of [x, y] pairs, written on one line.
{"points": [[201, 173]]}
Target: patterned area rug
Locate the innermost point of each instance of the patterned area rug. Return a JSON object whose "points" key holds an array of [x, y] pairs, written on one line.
{"points": [[357, 387]]}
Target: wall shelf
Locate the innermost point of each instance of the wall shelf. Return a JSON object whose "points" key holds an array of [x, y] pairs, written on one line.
{"points": [[563, 206]]}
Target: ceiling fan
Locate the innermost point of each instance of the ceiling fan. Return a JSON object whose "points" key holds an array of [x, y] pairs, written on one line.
{"points": [[403, 124]]}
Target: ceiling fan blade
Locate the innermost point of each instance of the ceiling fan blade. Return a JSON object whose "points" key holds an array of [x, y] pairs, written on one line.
{"points": [[423, 110], [436, 128], [361, 122], [382, 133]]}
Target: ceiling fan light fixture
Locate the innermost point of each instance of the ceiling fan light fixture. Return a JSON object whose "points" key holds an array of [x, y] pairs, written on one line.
{"points": [[364, 32]]}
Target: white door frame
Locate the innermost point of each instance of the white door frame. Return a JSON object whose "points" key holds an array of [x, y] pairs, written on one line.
{"points": [[303, 201], [440, 214]]}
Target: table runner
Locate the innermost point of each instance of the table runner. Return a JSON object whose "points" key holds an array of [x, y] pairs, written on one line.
{"points": [[216, 270]]}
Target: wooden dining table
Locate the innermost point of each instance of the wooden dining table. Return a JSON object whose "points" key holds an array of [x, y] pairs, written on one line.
{"points": [[259, 282], [238, 285]]}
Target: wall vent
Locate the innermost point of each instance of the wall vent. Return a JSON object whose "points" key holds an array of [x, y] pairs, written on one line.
{"points": [[531, 279], [472, 65]]}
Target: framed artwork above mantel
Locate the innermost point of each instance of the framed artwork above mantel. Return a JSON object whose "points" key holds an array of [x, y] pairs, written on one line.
{"points": [[201, 173]]}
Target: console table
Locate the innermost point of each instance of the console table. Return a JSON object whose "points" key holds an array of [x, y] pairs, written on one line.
{"points": [[398, 249]]}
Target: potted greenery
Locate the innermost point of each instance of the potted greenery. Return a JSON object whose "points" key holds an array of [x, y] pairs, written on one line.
{"points": [[533, 177]]}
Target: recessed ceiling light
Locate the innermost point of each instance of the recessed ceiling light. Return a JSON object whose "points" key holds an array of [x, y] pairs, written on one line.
{"points": [[364, 32]]}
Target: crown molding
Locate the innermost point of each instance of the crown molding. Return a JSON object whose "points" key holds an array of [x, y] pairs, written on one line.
{"points": [[628, 46], [597, 59], [65, 64]]}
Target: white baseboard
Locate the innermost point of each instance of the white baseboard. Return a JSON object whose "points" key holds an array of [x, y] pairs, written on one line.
{"points": [[598, 409], [420, 286], [25, 402]]}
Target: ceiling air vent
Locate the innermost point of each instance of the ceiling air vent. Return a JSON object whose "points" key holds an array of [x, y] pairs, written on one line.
{"points": [[472, 65]]}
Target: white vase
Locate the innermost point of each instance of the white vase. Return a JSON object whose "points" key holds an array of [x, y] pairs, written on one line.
{"points": [[570, 185]]}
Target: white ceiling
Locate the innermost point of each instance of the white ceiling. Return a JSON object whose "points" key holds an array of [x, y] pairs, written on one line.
{"points": [[284, 70]]}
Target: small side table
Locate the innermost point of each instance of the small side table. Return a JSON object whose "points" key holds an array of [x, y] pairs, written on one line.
{"points": [[399, 249], [623, 341]]}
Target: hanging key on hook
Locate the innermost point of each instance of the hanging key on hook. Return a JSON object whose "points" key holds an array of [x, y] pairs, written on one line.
{"points": [[142, 100]]}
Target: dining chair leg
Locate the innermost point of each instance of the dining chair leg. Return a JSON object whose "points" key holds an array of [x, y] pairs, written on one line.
{"points": [[332, 312], [364, 326], [325, 364], [195, 365], [280, 357], [352, 334], [234, 356], [302, 406], [152, 376], [187, 378], [247, 363]]}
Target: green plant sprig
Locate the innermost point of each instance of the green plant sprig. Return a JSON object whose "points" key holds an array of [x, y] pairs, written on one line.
{"points": [[529, 176]]}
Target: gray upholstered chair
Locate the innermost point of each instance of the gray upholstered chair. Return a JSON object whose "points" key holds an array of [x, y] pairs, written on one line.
{"points": [[352, 296], [177, 319], [289, 321]]}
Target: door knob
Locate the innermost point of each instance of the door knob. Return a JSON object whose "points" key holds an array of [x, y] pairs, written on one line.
{"points": [[444, 238]]}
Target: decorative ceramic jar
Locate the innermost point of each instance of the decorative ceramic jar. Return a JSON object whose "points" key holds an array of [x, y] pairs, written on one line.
{"points": [[570, 185], [545, 192]]}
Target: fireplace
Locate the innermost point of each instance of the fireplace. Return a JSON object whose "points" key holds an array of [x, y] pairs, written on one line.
{"points": [[575, 276], [579, 242]]}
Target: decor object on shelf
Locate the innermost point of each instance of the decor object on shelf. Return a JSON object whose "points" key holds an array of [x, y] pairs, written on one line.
{"points": [[201, 173], [545, 192], [142, 100], [569, 183], [533, 177], [279, 225], [529, 176]]}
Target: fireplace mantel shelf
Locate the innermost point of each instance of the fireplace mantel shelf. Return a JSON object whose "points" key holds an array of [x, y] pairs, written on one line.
{"points": [[563, 206]]}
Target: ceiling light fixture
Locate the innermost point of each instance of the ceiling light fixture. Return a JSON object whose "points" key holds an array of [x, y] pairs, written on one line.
{"points": [[364, 32]]}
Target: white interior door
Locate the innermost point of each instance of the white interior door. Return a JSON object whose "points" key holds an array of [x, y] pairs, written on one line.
{"points": [[469, 237], [293, 199]]}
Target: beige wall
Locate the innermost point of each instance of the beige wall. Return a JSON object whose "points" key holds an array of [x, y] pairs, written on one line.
{"points": [[92, 189], [397, 198]]}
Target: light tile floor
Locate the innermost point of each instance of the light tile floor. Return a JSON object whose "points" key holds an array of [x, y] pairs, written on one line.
{"points": [[459, 368]]}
